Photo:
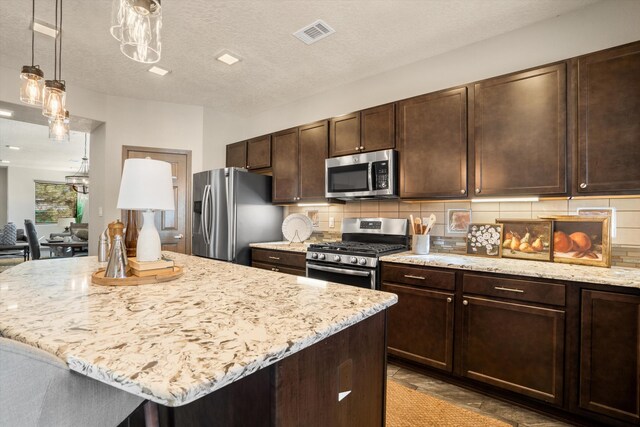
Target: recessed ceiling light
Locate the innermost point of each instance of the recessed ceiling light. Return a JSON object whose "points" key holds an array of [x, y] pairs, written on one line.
{"points": [[12, 147], [159, 71], [5, 161], [228, 58], [6, 113], [45, 29]]}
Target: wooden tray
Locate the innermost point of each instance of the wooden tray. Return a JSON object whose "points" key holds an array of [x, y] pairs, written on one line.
{"points": [[99, 279]]}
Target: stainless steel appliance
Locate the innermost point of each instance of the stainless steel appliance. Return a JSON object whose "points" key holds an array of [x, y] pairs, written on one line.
{"points": [[232, 208], [362, 176], [354, 260]]}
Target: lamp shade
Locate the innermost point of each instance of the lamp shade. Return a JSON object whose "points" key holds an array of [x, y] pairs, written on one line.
{"points": [[146, 184]]}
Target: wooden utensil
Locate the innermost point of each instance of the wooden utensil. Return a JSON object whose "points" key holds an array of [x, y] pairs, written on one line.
{"points": [[413, 229], [432, 221], [418, 226]]}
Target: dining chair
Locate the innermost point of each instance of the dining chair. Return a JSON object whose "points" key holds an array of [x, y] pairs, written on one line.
{"points": [[32, 238]]}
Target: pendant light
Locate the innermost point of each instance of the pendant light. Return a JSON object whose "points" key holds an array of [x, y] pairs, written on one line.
{"points": [[79, 181], [55, 95], [59, 128], [136, 25], [32, 77]]}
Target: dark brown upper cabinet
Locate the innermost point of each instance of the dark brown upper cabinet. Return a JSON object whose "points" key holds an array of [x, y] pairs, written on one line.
{"points": [[520, 133], [367, 130], [609, 121], [259, 152], [298, 163], [432, 142], [237, 155]]}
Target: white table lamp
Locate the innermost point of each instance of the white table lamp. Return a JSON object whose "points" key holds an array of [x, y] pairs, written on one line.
{"points": [[146, 186]]}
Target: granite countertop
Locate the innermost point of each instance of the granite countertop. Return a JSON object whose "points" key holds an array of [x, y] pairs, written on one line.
{"points": [[282, 246], [177, 341], [615, 276]]}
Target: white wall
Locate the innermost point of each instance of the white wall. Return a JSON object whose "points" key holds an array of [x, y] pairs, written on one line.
{"points": [[599, 26], [3, 195], [21, 192]]}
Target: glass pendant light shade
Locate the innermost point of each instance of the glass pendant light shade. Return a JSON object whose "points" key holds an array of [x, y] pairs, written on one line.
{"points": [[140, 29], [54, 98], [59, 129], [118, 11], [31, 83], [79, 181]]}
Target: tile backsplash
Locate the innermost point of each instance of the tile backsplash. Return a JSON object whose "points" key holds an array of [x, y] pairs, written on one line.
{"points": [[626, 244]]}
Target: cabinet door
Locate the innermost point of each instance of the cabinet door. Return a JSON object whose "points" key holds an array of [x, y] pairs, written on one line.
{"points": [[433, 145], [259, 152], [610, 355], [609, 121], [345, 135], [313, 152], [520, 133], [237, 155], [514, 346], [285, 166], [420, 326], [378, 128]]}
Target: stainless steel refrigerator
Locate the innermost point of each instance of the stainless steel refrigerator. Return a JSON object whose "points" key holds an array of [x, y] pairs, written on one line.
{"points": [[232, 208]]}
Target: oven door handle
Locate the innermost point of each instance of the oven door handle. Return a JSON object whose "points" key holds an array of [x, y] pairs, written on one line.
{"points": [[340, 270]]}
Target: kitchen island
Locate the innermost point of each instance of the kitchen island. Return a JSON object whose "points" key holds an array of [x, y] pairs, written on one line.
{"points": [[220, 324]]}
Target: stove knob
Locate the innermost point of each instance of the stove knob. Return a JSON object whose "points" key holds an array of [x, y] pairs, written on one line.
{"points": [[314, 255], [354, 260], [322, 256], [362, 261], [336, 258]]}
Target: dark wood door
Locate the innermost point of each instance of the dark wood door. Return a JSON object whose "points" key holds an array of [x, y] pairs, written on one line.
{"points": [[344, 135], [610, 355], [520, 133], [514, 346], [237, 155], [433, 145], [420, 326], [378, 128], [313, 152], [174, 226], [259, 152], [285, 166], [609, 121]]}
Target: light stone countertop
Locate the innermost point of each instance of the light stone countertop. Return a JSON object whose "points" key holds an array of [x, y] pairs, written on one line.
{"points": [[177, 341], [282, 246], [615, 276]]}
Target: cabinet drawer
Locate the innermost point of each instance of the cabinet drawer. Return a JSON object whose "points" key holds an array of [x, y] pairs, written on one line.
{"points": [[516, 289], [291, 259], [280, 269], [418, 276]]}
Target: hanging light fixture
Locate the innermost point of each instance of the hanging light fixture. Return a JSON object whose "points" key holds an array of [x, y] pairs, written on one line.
{"points": [[32, 77], [59, 128], [136, 25], [80, 180], [55, 95]]}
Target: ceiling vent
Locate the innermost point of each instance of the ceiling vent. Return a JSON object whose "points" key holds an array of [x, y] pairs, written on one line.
{"points": [[314, 32]]}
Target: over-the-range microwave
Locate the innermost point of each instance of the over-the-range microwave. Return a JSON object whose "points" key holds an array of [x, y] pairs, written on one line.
{"points": [[362, 176]]}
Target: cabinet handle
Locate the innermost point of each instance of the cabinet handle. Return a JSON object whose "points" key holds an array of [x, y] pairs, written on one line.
{"points": [[274, 269], [273, 257], [247, 166], [583, 185], [465, 302], [477, 191], [501, 288], [362, 147], [357, 148], [410, 276], [449, 299], [463, 191]]}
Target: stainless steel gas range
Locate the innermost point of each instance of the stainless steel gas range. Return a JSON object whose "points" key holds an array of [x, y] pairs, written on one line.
{"points": [[355, 260]]}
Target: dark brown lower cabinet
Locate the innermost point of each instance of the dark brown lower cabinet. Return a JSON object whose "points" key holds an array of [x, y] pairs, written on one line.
{"points": [[281, 261], [514, 346], [610, 355], [421, 326]]}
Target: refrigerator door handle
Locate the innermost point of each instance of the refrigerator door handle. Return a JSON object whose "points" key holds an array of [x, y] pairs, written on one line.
{"points": [[211, 230], [206, 217]]}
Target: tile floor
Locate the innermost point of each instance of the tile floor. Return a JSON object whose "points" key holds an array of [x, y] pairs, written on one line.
{"points": [[485, 405]]}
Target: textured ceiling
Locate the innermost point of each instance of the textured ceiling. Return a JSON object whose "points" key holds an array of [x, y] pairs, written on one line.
{"points": [[372, 36]]}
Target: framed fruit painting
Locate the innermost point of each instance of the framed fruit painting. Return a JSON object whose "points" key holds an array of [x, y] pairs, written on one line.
{"points": [[528, 239], [584, 240]]}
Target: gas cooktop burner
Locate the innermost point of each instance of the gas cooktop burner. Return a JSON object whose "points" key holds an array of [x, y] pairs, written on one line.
{"points": [[360, 247]]}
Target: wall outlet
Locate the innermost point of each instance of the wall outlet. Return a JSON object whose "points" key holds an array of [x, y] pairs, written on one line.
{"points": [[332, 222]]}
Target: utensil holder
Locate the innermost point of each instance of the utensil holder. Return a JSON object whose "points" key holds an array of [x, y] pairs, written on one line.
{"points": [[421, 244]]}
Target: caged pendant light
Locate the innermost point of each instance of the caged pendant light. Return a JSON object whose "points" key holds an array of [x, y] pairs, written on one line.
{"points": [[59, 128], [79, 181], [54, 94], [32, 77], [136, 25]]}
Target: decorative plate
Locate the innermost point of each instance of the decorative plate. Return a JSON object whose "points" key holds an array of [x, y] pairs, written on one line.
{"points": [[297, 228]]}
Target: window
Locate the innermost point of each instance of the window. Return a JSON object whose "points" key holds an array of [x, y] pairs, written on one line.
{"points": [[54, 200]]}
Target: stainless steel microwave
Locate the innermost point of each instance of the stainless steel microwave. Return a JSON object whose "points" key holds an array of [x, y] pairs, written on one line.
{"points": [[362, 176]]}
